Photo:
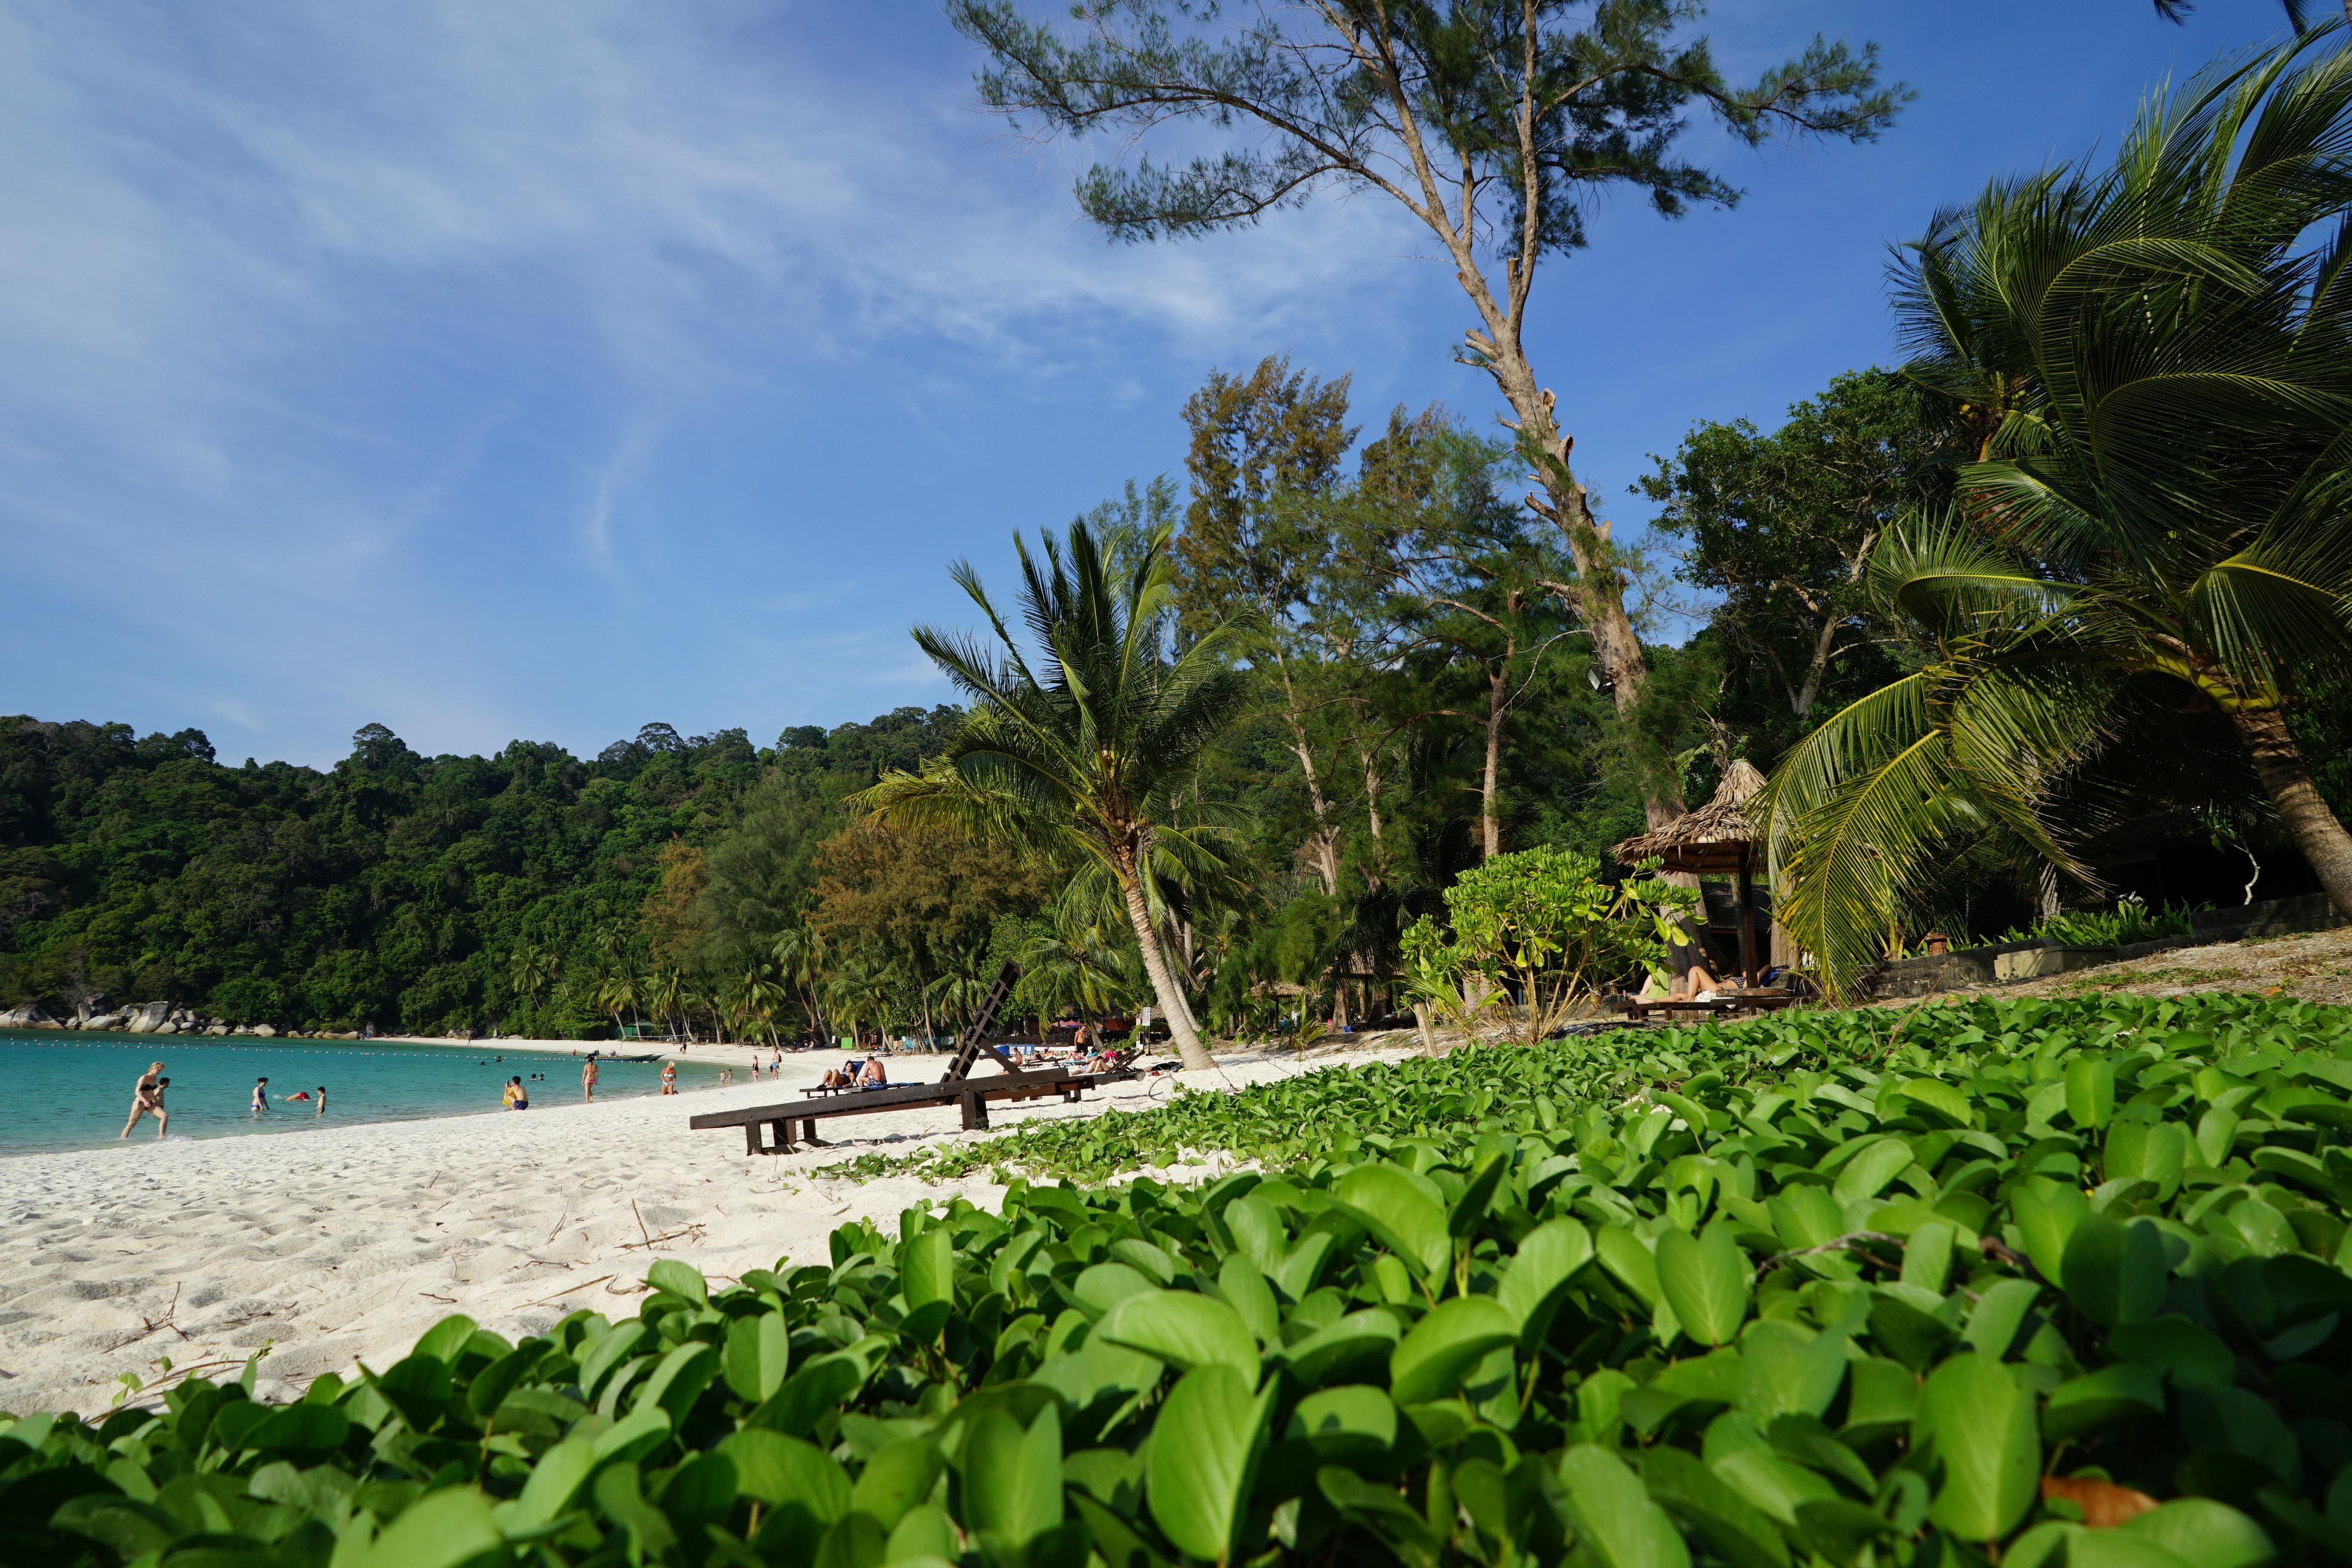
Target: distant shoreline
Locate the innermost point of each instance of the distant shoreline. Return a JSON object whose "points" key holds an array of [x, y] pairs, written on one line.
{"points": [[701, 1049]]}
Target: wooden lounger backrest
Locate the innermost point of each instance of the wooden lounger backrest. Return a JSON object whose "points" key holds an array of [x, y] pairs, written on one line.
{"points": [[967, 1045]]}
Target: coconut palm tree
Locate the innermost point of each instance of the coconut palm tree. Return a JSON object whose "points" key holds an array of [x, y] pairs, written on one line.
{"points": [[799, 951], [534, 971], [754, 995], [668, 994], [2156, 543], [860, 991], [1083, 756], [616, 995]]}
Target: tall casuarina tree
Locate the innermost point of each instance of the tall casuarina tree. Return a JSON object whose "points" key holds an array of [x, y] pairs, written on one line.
{"points": [[1494, 123], [1088, 753]]}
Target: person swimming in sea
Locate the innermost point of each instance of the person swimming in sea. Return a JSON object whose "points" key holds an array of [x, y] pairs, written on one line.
{"points": [[147, 1100]]}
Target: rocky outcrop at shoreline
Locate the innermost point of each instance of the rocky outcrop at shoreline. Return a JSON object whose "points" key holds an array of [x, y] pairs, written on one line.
{"points": [[151, 1018]]}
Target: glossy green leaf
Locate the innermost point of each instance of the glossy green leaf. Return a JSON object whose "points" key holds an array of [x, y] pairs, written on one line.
{"points": [[1401, 1214], [1866, 1174], [1204, 1454], [2148, 1151], [927, 1268], [1987, 1447], [1342, 1346], [1184, 1329], [449, 1527], [1615, 1518], [778, 1469], [1012, 1478], [2090, 1091], [1350, 1422], [2113, 1273], [1706, 1279], [1788, 1369], [1630, 1263], [1438, 1353], [2124, 1392], [759, 1354], [679, 1279]]}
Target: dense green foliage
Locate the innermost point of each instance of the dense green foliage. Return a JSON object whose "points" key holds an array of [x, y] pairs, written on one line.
{"points": [[2150, 551], [392, 890], [1789, 1291]]}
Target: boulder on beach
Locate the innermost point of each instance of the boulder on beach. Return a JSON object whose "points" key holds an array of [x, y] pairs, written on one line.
{"points": [[31, 1015], [148, 1017], [267, 1031]]}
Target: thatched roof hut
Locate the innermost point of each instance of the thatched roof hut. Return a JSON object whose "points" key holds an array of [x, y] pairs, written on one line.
{"points": [[1718, 839], [1715, 838]]}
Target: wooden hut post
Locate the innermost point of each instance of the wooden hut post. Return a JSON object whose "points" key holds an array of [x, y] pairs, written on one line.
{"points": [[1746, 922]]}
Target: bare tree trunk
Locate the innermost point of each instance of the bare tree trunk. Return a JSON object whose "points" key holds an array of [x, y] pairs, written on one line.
{"points": [[1490, 821], [1181, 1029], [2305, 811], [1597, 594], [1325, 838]]}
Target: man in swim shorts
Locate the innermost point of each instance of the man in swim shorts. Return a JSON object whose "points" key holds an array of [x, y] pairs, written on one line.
{"points": [[517, 1097], [147, 1100]]}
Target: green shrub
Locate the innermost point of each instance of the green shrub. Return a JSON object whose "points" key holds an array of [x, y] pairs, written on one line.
{"points": [[1833, 1297]]}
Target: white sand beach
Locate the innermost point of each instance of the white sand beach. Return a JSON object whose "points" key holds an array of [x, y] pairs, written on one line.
{"points": [[344, 1244]]}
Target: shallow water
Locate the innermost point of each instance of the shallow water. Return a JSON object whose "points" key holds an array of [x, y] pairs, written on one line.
{"points": [[64, 1091]]}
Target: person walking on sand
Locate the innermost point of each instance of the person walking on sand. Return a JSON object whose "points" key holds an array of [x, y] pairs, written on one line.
{"points": [[260, 1097], [670, 1077], [588, 1078], [147, 1100]]}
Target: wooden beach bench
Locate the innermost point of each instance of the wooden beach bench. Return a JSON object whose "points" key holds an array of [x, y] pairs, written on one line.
{"points": [[1732, 1006], [958, 1088]]}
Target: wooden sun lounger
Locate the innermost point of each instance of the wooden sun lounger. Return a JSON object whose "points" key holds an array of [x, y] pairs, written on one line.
{"points": [[958, 1088], [1732, 1006], [972, 1094]]}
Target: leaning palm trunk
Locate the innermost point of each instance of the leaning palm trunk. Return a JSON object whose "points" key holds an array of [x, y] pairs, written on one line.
{"points": [[2278, 762], [1171, 995]]}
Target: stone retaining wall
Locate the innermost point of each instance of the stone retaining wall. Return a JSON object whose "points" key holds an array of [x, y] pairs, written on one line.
{"points": [[2011, 962]]}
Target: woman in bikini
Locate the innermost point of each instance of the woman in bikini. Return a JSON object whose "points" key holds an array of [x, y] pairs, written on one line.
{"points": [[147, 1100], [670, 1077]]}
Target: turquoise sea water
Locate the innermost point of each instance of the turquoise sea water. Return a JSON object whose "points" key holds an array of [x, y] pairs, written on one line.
{"points": [[60, 1090]]}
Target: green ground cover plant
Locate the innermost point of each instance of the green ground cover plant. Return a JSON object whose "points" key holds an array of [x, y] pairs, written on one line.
{"points": [[2045, 1283]]}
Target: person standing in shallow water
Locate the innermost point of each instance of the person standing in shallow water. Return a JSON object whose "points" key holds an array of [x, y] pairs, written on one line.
{"points": [[147, 1100], [260, 1096], [588, 1078]]}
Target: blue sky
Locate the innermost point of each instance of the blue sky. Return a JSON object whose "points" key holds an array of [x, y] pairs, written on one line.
{"points": [[544, 368]]}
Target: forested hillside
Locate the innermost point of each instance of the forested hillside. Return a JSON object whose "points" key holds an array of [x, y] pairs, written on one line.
{"points": [[392, 890]]}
